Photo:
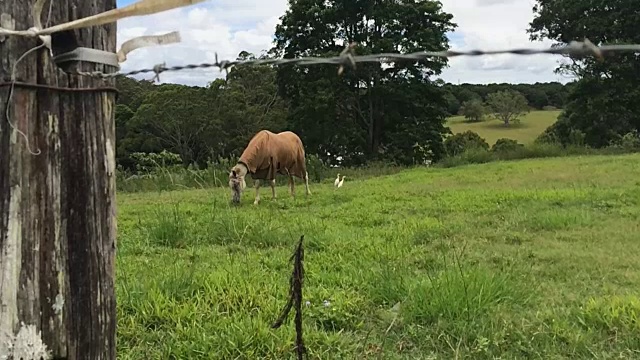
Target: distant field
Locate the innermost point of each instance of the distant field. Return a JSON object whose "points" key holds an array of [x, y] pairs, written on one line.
{"points": [[532, 259], [532, 125]]}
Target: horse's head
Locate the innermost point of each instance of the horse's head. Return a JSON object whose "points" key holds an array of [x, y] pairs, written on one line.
{"points": [[237, 183]]}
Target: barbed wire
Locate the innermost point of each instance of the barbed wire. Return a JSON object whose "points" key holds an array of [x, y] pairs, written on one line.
{"points": [[348, 58]]}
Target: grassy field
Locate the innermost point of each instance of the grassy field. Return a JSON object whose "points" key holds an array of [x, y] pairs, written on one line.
{"points": [[533, 259], [531, 125]]}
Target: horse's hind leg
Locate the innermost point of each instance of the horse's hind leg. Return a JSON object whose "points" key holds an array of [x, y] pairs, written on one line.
{"points": [[273, 189], [257, 185], [306, 183], [292, 186]]}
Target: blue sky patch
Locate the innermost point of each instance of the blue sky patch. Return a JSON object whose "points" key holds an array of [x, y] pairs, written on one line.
{"points": [[123, 3]]}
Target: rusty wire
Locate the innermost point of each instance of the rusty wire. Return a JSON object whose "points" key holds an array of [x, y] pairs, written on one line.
{"points": [[348, 58]]}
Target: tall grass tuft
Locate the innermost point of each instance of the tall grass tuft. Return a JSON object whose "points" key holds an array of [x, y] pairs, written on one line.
{"points": [[457, 291], [168, 227], [451, 295]]}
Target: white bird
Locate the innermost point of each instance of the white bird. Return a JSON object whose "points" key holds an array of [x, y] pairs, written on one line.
{"points": [[341, 181], [335, 183]]}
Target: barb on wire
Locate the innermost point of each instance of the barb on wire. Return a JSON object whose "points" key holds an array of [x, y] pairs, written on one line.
{"points": [[348, 58]]}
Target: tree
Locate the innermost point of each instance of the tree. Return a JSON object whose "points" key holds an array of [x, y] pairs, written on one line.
{"points": [[465, 94], [453, 105], [508, 105], [123, 116], [249, 102], [198, 123], [131, 92], [473, 110], [180, 119], [356, 116], [605, 101]]}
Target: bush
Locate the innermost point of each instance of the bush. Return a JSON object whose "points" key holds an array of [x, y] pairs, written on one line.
{"points": [[316, 168], [147, 162], [576, 137], [631, 141], [470, 156], [461, 142], [549, 108], [548, 136], [506, 145]]}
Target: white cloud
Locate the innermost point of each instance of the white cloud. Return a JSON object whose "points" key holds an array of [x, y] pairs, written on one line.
{"points": [[227, 27], [497, 25]]}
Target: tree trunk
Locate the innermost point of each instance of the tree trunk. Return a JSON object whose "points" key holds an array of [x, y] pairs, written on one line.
{"points": [[57, 208], [375, 119]]}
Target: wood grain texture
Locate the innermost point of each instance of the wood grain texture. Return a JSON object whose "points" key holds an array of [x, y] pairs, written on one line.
{"points": [[57, 208]]}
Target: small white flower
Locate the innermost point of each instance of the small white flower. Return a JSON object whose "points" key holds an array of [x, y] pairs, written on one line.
{"points": [[326, 303], [308, 303]]}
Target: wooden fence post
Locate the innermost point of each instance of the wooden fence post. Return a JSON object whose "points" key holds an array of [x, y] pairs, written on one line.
{"points": [[57, 191]]}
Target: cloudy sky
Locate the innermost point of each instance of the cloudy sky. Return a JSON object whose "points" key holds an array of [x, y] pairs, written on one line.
{"points": [[227, 27]]}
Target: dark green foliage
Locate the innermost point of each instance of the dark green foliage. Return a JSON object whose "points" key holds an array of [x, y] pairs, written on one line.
{"points": [[394, 114], [604, 103], [506, 145], [197, 123], [473, 110], [630, 141], [508, 106], [540, 96], [461, 142], [216, 122]]}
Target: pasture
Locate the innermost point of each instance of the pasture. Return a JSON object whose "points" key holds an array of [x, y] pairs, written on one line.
{"points": [[531, 125], [524, 259]]}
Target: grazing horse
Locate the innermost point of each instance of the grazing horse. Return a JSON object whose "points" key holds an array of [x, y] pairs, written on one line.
{"points": [[266, 155]]}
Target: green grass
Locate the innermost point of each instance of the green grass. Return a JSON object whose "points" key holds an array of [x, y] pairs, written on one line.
{"points": [[531, 125], [533, 259]]}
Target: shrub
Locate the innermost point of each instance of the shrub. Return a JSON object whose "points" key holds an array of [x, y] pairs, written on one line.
{"points": [[147, 162], [506, 145], [316, 168], [576, 137], [549, 108], [548, 136], [461, 142], [631, 141]]}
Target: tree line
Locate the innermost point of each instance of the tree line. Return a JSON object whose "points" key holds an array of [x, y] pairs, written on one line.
{"points": [[216, 121], [395, 113]]}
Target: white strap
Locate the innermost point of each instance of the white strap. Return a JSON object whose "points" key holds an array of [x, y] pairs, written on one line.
{"points": [[148, 40], [90, 55]]}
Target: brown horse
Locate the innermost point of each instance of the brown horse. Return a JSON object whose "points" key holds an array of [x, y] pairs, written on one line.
{"points": [[266, 155]]}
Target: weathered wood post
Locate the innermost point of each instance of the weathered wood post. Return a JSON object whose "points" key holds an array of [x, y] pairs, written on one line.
{"points": [[57, 190]]}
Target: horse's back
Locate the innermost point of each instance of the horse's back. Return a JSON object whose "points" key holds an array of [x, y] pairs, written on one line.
{"points": [[290, 138], [285, 148]]}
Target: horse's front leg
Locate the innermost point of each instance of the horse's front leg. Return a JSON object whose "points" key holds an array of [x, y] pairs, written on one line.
{"points": [[257, 185], [273, 189]]}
